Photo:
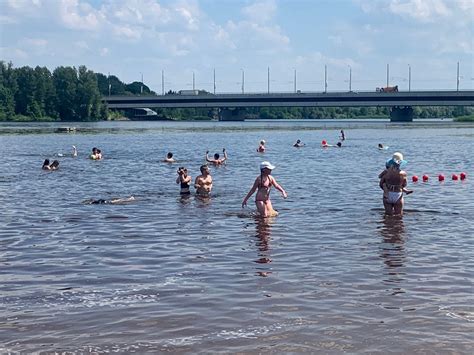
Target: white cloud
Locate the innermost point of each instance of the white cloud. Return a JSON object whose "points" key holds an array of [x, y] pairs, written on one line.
{"points": [[78, 15], [37, 42], [260, 12], [421, 10]]}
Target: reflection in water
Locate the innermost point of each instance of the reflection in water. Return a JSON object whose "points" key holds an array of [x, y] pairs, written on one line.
{"points": [[392, 250], [263, 229]]}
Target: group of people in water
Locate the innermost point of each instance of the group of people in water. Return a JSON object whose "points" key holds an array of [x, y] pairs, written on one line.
{"points": [[393, 180]]}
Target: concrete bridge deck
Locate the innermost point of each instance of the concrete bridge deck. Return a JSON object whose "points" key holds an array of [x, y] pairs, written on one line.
{"points": [[332, 99]]}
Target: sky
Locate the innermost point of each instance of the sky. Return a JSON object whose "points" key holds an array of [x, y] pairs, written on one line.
{"points": [[249, 44]]}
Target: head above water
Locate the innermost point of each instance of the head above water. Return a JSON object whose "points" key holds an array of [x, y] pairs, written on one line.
{"points": [[216, 156], [380, 145], [55, 164], [204, 169], [339, 144], [262, 142], [169, 155], [46, 162]]}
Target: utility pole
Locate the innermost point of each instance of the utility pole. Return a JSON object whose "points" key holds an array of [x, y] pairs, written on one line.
{"points": [[325, 79], [108, 79], [409, 77], [457, 79], [294, 81], [162, 82], [388, 73], [268, 79], [141, 88], [214, 81], [243, 81], [194, 82], [350, 78]]}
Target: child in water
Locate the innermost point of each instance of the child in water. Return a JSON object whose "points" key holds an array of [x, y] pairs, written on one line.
{"points": [[262, 185], [261, 147]]}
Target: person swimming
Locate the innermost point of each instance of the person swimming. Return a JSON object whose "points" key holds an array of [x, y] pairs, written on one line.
{"points": [[217, 159], [298, 144], [184, 180], [113, 201], [169, 158], [261, 148], [54, 165], [343, 136], [262, 185], [46, 165]]}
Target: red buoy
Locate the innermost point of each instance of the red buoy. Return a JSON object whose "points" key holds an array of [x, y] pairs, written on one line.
{"points": [[425, 178], [454, 177], [463, 176], [414, 178], [440, 177]]}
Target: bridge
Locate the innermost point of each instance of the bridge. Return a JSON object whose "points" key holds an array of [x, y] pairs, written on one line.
{"points": [[231, 104]]}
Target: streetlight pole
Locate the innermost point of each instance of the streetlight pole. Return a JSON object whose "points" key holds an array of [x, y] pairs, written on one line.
{"points": [[243, 81], [214, 81], [194, 82], [409, 77], [388, 73], [108, 79], [294, 81], [268, 79], [325, 79], [350, 78], [162, 82], [141, 88], [457, 79]]}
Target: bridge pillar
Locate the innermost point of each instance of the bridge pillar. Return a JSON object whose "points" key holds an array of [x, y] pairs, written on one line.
{"points": [[401, 114], [232, 114]]}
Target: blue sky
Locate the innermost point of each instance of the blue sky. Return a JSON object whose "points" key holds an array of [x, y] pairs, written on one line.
{"points": [[129, 38]]}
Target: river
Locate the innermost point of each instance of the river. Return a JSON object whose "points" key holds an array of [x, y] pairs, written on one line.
{"points": [[330, 274]]}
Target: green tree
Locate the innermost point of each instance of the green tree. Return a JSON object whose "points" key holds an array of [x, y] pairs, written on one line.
{"points": [[65, 83]]}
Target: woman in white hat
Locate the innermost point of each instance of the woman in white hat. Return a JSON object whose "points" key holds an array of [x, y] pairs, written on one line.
{"points": [[393, 182], [262, 185]]}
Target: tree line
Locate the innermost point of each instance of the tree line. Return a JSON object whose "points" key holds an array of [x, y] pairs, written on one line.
{"points": [[75, 94]]}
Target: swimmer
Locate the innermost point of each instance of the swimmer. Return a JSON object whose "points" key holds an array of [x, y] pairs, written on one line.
{"points": [[217, 160], [74, 151], [54, 165], [46, 165], [203, 182], [393, 182], [325, 144], [113, 201], [93, 155], [382, 147], [261, 148], [298, 144], [99, 154], [343, 136], [262, 185], [184, 179], [169, 158], [339, 145]]}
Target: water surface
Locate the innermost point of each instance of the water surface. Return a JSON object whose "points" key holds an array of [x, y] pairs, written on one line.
{"points": [[330, 274]]}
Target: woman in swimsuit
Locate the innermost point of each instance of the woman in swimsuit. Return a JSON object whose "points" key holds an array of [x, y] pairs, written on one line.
{"points": [[184, 180], [262, 185], [393, 182]]}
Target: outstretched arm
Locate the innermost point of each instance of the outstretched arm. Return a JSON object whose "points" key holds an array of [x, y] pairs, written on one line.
{"points": [[279, 188], [250, 193], [207, 157]]}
